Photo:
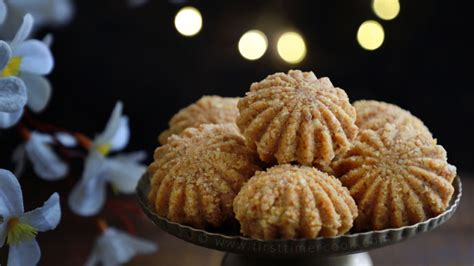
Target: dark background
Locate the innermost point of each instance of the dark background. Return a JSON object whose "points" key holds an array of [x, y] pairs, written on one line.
{"points": [[110, 52]]}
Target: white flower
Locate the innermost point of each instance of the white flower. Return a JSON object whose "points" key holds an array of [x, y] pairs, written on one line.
{"points": [[121, 171], [115, 247], [13, 95], [116, 133], [28, 60], [18, 229], [46, 163], [45, 12]]}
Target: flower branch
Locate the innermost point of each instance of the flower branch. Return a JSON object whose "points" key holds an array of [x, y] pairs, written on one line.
{"points": [[50, 149]]}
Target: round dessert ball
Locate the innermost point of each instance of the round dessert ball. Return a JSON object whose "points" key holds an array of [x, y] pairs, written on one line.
{"points": [[289, 201], [207, 110], [296, 117], [374, 115], [397, 177], [197, 174]]}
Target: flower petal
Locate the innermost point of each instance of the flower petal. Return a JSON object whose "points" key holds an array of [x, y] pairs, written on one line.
{"points": [[13, 95], [48, 39], [39, 91], [122, 135], [60, 12], [115, 247], [5, 51], [46, 163], [112, 125], [9, 119], [88, 196], [138, 245], [26, 253], [93, 258], [136, 156], [35, 56], [52, 12], [47, 217], [123, 173], [11, 197], [23, 32], [19, 159], [3, 11], [66, 139]]}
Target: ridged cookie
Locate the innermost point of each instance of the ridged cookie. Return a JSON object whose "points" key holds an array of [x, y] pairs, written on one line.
{"points": [[296, 117], [374, 115], [197, 174], [207, 110], [288, 201], [397, 177]]}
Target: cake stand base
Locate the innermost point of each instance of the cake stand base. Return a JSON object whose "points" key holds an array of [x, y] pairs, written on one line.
{"points": [[358, 259]]}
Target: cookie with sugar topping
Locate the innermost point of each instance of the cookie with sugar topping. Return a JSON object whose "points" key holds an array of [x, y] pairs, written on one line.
{"points": [[375, 114], [197, 174], [397, 177], [297, 118], [289, 201], [207, 110]]}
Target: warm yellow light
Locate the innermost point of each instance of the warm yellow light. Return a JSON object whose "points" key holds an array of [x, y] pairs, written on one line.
{"points": [[188, 21], [370, 35], [291, 47], [386, 9], [253, 44]]}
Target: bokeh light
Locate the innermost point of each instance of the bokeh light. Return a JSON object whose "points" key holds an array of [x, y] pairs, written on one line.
{"points": [[253, 44], [386, 9], [370, 35], [291, 47], [188, 21]]}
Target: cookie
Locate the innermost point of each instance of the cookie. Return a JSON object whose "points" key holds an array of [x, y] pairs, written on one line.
{"points": [[289, 201], [197, 174], [297, 118], [397, 177], [207, 110]]}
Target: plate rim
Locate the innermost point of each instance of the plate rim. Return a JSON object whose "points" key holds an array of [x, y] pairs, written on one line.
{"points": [[391, 235]]}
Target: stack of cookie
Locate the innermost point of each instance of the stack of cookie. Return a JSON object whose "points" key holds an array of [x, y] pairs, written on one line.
{"points": [[294, 158]]}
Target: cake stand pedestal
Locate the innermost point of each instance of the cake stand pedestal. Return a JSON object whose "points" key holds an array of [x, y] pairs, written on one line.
{"points": [[357, 259], [346, 250]]}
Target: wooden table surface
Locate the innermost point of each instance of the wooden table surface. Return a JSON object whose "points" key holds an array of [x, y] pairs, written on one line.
{"points": [[450, 244]]}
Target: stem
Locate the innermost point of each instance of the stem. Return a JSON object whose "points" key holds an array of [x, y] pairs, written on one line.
{"points": [[41, 126], [117, 208], [127, 222], [23, 131], [84, 141], [101, 225]]}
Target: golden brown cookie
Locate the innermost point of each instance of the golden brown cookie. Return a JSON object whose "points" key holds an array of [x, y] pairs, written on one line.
{"points": [[397, 177], [207, 110], [374, 115], [196, 175], [289, 201], [296, 117]]}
